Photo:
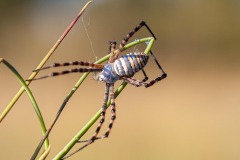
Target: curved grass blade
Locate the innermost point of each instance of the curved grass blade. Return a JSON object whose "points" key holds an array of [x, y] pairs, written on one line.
{"points": [[32, 99]]}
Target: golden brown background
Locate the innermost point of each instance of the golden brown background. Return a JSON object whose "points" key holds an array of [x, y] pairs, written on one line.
{"points": [[191, 115]]}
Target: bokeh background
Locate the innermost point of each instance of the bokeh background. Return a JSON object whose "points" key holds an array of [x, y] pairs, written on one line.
{"points": [[191, 115]]}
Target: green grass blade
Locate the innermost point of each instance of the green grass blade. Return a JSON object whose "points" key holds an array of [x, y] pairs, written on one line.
{"points": [[31, 97], [48, 55]]}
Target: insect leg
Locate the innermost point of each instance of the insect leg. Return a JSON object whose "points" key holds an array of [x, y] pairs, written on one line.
{"points": [[164, 75], [102, 119], [155, 59], [145, 76], [130, 34], [112, 48], [113, 117], [113, 111], [76, 70], [104, 107], [80, 63], [132, 81], [138, 83]]}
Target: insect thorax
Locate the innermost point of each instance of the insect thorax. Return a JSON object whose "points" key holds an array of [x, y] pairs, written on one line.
{"points": [[108, 75]]}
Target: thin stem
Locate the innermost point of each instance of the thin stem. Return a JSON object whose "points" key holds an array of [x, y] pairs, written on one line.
{"points": [[75, 139], [17, 96], [32, 99], [40, 66]]}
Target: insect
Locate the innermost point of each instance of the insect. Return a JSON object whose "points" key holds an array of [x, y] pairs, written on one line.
{"points": [[118, 68]]}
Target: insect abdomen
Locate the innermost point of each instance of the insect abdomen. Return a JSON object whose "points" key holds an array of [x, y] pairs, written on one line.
{"points": [[130, 63]]}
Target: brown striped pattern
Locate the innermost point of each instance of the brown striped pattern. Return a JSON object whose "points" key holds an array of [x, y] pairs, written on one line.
{"points": [[113, 111], [131, 63], [76, 70], [138, 83], [164, 75], [102, 119], [94, 68], [112, 48], [80, 63], [128, 36]]}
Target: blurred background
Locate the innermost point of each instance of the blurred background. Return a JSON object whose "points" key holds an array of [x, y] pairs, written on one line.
{"points": [[193, 114]]}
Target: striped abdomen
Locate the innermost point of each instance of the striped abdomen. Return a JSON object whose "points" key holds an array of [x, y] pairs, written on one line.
{"points": [[131, 63]]}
